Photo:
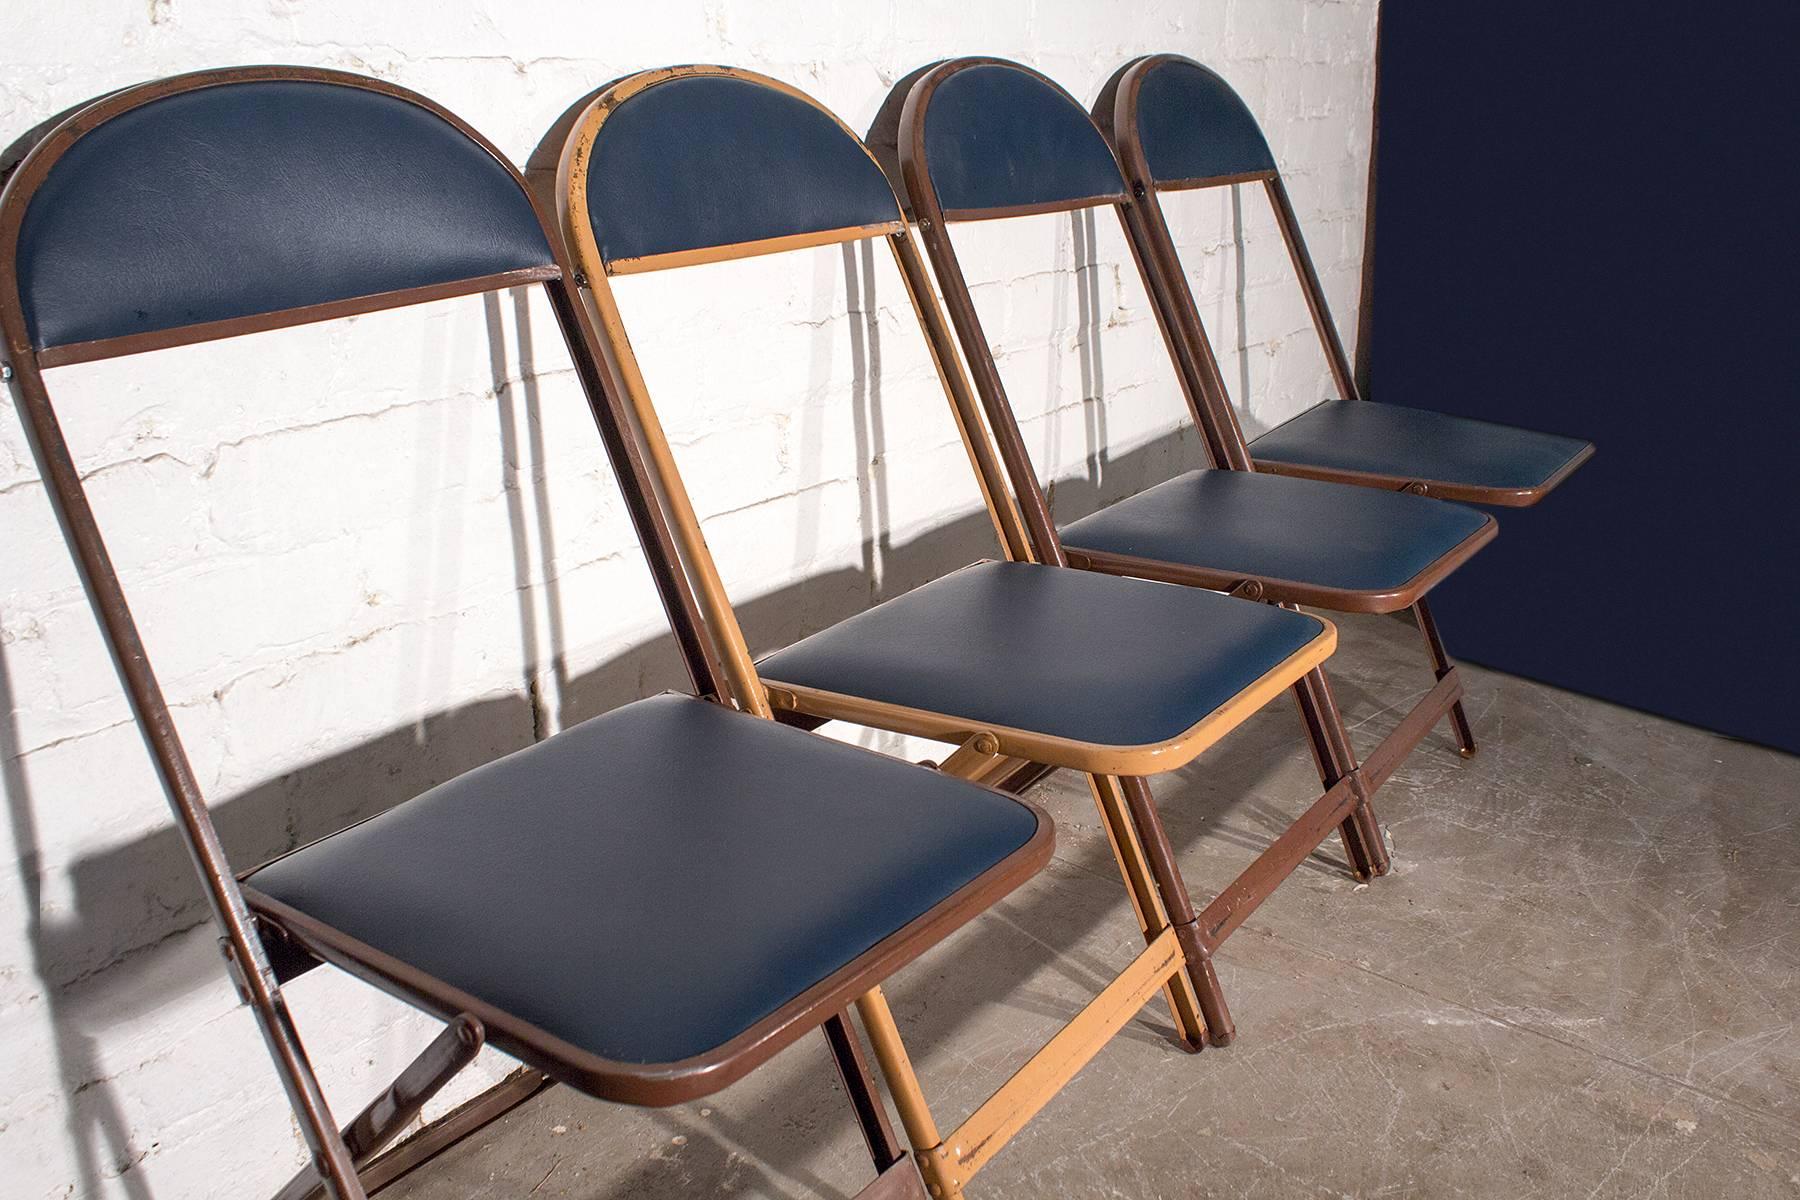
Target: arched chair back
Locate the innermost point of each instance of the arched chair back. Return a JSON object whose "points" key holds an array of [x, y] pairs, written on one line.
{"points": [[695, 164], [982, 138], [996, 139], [698, 164], [202, 207], [1193, 128], [1176, 126]]}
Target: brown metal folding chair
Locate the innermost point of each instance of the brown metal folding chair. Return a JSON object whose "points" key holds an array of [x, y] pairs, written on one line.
{"points": [[1178, 126], [557, 903], [1009, 661], [979, 139]]}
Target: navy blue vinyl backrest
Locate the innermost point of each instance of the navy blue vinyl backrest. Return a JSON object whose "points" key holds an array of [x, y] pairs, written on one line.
{"points": [[261, 196], [1193, 126], [701, 161], [998, 137]]}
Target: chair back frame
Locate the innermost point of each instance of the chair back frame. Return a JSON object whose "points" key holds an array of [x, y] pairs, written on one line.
{"points": [[572, 199], [256, 975], [1212, 415], [1117, 111]]}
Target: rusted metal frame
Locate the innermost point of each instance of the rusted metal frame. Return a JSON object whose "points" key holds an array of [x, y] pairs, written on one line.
{"points": [[871, 1114], [1341, 372], [246, 960], [454, 1048], [1442, 666]]}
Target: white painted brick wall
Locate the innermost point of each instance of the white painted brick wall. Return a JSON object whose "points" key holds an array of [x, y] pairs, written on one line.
{"points": [[362, 570]]}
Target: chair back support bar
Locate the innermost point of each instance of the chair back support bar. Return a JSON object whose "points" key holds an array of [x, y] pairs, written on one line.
{"points": [[224, 202], [726, 164]]}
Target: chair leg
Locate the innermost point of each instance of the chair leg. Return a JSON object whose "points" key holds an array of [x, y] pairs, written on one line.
{"points": [[1160, 856], [1335, 758], [382, 1120], [871, 1113], [1153, 919], [333, 1163], [1441, 666]]}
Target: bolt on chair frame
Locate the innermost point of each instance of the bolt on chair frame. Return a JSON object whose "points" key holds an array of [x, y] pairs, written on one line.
{"points": [[1180, 941], [1212, 415], [261, 955]]}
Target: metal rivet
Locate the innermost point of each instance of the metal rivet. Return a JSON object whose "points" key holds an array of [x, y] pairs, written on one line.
{"points": [[5, 372]]}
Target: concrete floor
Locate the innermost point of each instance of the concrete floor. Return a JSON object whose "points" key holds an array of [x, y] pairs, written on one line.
{"points": [[1579, 981]]}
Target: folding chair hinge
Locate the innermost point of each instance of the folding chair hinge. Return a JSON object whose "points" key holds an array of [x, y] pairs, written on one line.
{"points": [[1417, 488], [783, 699], [1249, 589]]}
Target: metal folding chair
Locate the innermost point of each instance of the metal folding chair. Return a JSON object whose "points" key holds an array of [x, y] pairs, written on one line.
{"points": [[978, 139], [1009, 660], [559, 903], [1178, 126]]}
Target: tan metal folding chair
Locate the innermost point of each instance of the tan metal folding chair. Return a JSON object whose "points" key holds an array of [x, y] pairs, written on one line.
{"points": [[1006, 660]]}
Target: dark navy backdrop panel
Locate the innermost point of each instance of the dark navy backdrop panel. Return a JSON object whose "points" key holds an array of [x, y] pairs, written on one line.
{"points": [[1193, 126], [256, 197], [1592, 232], [997, 137], [709, 160]]}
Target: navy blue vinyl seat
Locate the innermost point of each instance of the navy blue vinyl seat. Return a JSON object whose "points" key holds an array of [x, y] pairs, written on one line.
{"points": [[1393, 441], [1300, 530], [1068, 654], [650, 883]]}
